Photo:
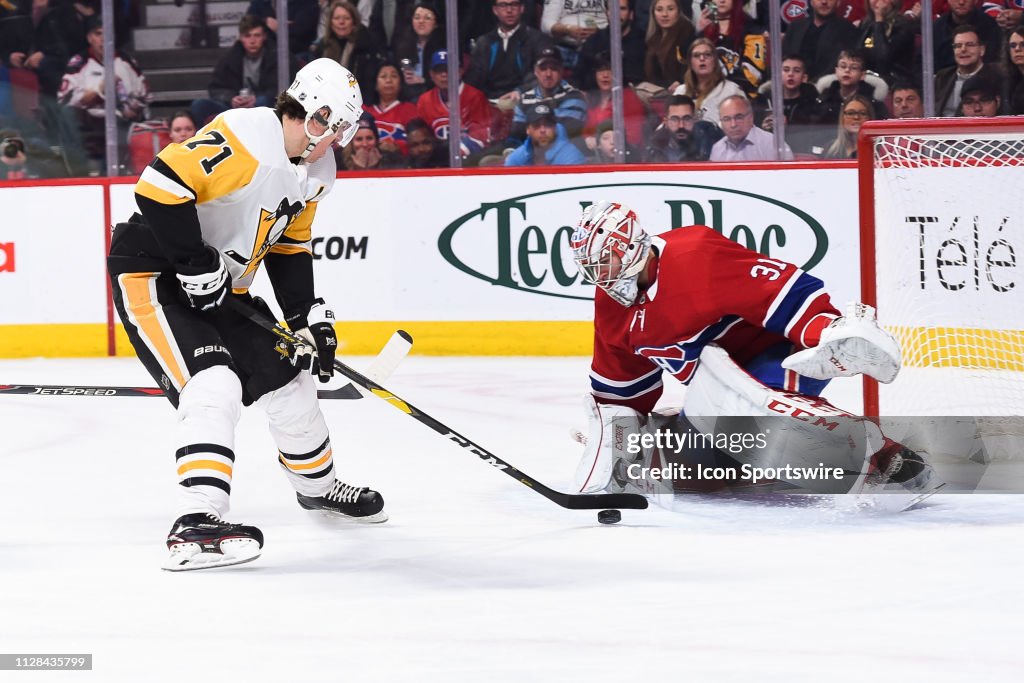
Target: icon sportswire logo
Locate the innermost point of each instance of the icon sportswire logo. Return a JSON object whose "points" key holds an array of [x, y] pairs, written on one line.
{"points": [[522, 242]]}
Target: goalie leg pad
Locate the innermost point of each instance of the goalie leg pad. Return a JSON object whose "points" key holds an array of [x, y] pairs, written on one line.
{"points": [[608, 436], [208, 410], [300, 432], [815, 433]]}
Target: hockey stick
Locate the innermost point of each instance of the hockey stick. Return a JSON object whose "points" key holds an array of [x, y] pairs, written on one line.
{"points": [[600, 501], [348, 391], [381, 367]]}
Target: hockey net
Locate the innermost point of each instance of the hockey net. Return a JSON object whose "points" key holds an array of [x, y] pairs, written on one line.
{"points": [[942, 238]]}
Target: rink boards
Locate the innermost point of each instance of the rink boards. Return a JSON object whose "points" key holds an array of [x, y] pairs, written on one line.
{"points": [[471, 262]]}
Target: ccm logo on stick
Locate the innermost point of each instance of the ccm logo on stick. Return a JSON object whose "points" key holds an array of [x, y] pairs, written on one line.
{"points": [[6, 257]]}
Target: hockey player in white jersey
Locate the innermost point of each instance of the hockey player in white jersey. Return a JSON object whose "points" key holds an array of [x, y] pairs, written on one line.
{"points": [[241, 192]]}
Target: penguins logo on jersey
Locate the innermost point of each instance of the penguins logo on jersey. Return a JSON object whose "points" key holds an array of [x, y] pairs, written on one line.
{"points": [[270, 229]]}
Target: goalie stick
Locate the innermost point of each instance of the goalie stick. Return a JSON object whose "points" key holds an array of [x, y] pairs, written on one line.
{"points": [[381, 367], [600, 501]]}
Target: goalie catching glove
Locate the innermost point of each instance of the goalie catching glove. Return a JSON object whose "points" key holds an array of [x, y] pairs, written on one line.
{"points": [[853, 344], [317, 328]]}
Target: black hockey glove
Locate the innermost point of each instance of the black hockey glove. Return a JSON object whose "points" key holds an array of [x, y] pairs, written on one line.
{"points": [[205, 283], [318, 357]]}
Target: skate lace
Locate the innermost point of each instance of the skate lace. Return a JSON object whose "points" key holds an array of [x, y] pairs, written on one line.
{"points": [[344, 493]]}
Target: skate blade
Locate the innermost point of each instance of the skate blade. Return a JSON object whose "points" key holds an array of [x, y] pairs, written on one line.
{"points": [[185, 559], [377, 518]]}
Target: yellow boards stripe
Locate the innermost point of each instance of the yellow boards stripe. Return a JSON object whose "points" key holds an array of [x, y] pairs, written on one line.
{"points": [[960, 347]]}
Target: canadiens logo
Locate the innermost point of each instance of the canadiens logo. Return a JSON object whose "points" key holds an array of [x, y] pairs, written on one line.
{"points": [[794, 9], [674, 359]]}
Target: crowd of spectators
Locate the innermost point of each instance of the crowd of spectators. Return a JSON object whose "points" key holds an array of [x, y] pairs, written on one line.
{"points": [[535, 83]]}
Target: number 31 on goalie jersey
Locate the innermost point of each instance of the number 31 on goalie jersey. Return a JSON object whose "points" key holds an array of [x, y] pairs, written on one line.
{"points": [[772, 271], [213, 138]]}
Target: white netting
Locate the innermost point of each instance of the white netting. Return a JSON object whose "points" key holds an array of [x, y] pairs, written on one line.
{"points": [[949, 239], [916, 151]]}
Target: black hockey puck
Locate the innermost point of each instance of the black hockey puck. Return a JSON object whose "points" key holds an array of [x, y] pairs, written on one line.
{"points": [[609, 516]]}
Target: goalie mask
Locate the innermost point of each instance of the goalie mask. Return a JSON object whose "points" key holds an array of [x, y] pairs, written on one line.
{"points": [[331, 97], [609, 248]]}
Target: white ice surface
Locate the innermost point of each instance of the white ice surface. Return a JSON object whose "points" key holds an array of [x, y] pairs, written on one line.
{"points": [[475, 578]]}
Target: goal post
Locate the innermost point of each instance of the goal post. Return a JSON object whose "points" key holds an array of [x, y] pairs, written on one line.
{"points": [[942, 234]]}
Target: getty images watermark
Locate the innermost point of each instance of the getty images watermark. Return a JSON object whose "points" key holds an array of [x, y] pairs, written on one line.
{"points": [[667, 441]]}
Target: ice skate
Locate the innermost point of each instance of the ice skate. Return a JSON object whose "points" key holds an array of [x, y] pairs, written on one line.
{"points": [[359, 504], [202, 541]]}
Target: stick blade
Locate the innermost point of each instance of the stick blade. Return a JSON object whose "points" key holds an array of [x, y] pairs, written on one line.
{"points": [[607, 501]]}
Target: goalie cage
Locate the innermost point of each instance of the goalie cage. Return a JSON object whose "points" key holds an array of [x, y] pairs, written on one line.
{"points": [[942, 234]]}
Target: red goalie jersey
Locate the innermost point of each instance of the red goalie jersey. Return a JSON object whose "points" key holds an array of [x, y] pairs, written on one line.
{"points": [[707, 289]]}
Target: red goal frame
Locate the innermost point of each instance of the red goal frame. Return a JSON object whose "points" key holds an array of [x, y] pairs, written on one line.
{"points": [[866, 193]]}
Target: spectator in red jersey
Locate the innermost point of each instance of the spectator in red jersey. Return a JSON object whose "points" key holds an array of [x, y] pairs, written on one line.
{"points": [[389, 112], [599, 106], [474, 110]]}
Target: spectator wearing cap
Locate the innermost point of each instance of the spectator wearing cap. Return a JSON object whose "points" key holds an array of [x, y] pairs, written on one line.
{"points": [[501, 60], [969, 52], [474, 111], [980, 97], [600, 44], [599, 106], [546, 143], [567, 102], [570, 23]]}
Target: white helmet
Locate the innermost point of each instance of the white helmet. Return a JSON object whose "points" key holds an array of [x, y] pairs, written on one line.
{"points": [[330, 95], [609, 248]]}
